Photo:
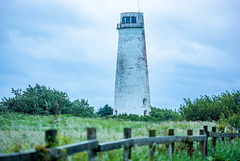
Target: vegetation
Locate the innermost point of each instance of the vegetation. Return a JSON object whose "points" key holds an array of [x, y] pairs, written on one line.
{"points": [[37, 100], [20, 132], [80, 108], [165, 114], [50, 108], [40, 100], [105, 111], [155, 115], [226, 105], [227, 151]]}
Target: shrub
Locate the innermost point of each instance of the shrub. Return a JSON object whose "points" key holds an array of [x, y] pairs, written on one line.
{"points": [[105, 111], [155, 115], [164, 114], [40, 100], [80, 108], [37, 100], [208, 108], [227, 151]]}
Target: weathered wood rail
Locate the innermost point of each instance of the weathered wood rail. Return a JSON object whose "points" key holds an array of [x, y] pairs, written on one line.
{"points": [[92, 146]]}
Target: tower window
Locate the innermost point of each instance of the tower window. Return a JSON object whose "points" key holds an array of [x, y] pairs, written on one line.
{"points": [[124, 20], [133, 19], [145, 112], [127, 19], [144, 101]]}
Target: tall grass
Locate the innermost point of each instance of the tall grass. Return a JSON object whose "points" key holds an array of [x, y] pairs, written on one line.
{"points": [[20, 132]]}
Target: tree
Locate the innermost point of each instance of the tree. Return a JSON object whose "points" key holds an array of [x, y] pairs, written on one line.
{"points": [[105, 111]]}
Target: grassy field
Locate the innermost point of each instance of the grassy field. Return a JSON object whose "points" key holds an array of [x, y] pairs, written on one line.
{"points": [[20, 132]]}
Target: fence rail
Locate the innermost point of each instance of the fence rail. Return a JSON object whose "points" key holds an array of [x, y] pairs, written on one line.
{"points": [[92, 146]]}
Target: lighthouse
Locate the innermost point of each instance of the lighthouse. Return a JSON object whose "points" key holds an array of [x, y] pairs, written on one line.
{"points": [[132, 95]]}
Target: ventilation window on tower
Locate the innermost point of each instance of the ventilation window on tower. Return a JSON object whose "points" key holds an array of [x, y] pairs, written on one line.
{"points": [[133, 19], [145, 112], [127, 19], [124, 20], [144, 101]]}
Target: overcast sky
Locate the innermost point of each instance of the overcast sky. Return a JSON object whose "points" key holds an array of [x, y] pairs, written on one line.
{"points": [[193, 47]]}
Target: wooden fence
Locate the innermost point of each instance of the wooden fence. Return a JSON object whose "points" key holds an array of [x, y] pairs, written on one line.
{"points": [[92, 146]]}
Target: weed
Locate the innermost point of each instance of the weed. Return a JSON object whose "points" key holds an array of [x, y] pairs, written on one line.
{"points": [[20, 132]]}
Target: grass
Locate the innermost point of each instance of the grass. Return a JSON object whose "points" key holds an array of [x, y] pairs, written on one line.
{"points": [[20, 132]]}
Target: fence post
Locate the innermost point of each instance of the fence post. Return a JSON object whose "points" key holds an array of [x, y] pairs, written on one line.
{"points": [[152, 147], [171, 146], [201, 144], [50, 136], [92, 135], [231, 138], [190, 144], [127, 149], [222, 131], [205, 128], [213, 140]]}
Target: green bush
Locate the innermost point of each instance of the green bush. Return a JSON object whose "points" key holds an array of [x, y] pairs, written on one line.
{"points": [[229, 151], [164, 114], [40, 100], [105, 111], [211, 108], [155, 115], [3, 108], [37, 100], [234, 121], [80, 108]]}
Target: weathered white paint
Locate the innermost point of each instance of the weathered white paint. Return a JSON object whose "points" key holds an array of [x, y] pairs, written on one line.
{"points": [[132, 95]]}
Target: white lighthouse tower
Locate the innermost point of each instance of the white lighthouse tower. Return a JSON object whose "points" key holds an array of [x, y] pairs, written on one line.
{"points": [[132, 95]]}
